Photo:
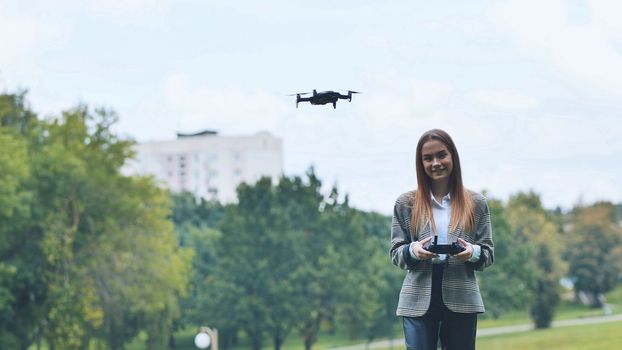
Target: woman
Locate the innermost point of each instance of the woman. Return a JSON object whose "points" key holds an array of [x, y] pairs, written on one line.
{"points": [[440, 296]]}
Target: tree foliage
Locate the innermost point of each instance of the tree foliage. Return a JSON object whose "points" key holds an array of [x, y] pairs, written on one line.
{"points": [[88, 254], [595, 249], [90, 258], [22, 283], [511, 283], [533, 226], [286, 259]]}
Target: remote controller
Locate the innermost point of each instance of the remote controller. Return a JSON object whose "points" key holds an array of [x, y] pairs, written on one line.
{"points": [[451, 249]]}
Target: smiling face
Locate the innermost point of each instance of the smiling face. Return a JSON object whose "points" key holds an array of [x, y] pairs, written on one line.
{"points": [[437, 161], [439, 173]]}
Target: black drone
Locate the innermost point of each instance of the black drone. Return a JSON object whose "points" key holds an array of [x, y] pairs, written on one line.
{"points": [[324, 97]]}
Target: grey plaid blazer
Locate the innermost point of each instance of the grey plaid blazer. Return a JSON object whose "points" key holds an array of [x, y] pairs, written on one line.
{"points": [[460, 289]]}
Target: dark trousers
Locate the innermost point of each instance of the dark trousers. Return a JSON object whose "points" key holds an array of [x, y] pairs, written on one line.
{"points": [[456, 330]]}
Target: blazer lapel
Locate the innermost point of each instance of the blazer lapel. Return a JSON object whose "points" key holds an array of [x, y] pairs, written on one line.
{"points": [[455, 234], [424, 233]]}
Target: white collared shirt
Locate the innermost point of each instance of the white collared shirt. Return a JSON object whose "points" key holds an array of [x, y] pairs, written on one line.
{"points": [[442, 216], [442, 219]]}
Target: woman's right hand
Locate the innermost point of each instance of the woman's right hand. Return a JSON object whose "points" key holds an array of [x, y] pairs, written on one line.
{"points": [[416, 249]]}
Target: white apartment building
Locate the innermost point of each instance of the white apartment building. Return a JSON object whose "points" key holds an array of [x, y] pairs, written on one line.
{"points": [[208, 164]]}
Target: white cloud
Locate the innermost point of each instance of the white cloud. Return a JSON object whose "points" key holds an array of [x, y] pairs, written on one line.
{"points": [[504, 99], [399, 104], [557, 185], [18, 36], [585, 54], [516, 129], [230, 108], [128, 9], [606, 15], [26, 32], [31, 27]]}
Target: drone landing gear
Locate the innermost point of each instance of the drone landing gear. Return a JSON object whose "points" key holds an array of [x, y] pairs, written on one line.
{"points": [[335, 105]]}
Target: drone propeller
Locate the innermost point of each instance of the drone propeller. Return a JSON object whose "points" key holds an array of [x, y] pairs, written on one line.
{"points": [[350, 92], [298, 99]]}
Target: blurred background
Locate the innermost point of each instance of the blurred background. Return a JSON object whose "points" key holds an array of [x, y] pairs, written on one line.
{"points": [[156, 177]]}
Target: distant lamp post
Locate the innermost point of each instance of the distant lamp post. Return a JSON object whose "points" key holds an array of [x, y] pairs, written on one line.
{"points": [[206, 337]]}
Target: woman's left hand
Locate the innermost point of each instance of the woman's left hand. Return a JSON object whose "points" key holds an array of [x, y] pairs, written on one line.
{"points": [[467, 253]]}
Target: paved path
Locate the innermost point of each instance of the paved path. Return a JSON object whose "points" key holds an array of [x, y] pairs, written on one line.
{"points": [[383, 344]]}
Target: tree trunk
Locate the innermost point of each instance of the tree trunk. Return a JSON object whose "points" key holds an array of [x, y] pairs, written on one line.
{"points": [[310, 334], [255, 337], [597, 300], [278, 342]]}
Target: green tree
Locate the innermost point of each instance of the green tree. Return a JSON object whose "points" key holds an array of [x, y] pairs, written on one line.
{"points": [[354, 269], [196, 221], [324, 254], [88, 254], [15, 114], [107, 238], [22, 281], [384, 279], [259, 259], [531, 223], [288, 258], [192, 212], [512, 283], [14, 214], [595, 247]]}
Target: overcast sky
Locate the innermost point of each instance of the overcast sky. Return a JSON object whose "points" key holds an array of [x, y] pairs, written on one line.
{"points": [[531, 91]]}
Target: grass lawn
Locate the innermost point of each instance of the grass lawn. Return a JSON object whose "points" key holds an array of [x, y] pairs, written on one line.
{"points": [[564, 311], [587, 337], [325, 341], [591, 337], [600, 336], [615, 297]]}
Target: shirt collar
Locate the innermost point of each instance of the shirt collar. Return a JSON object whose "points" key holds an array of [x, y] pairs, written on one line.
{"points": [[444, 202]]}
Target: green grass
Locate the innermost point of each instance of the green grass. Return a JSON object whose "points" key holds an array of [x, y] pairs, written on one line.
{"points": [[615, 296], [585, 337], [565, 311], [540, 339], [326, 340], [598, 335]]}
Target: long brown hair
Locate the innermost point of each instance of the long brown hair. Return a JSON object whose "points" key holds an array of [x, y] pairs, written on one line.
{"points": [[462, 206]]}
